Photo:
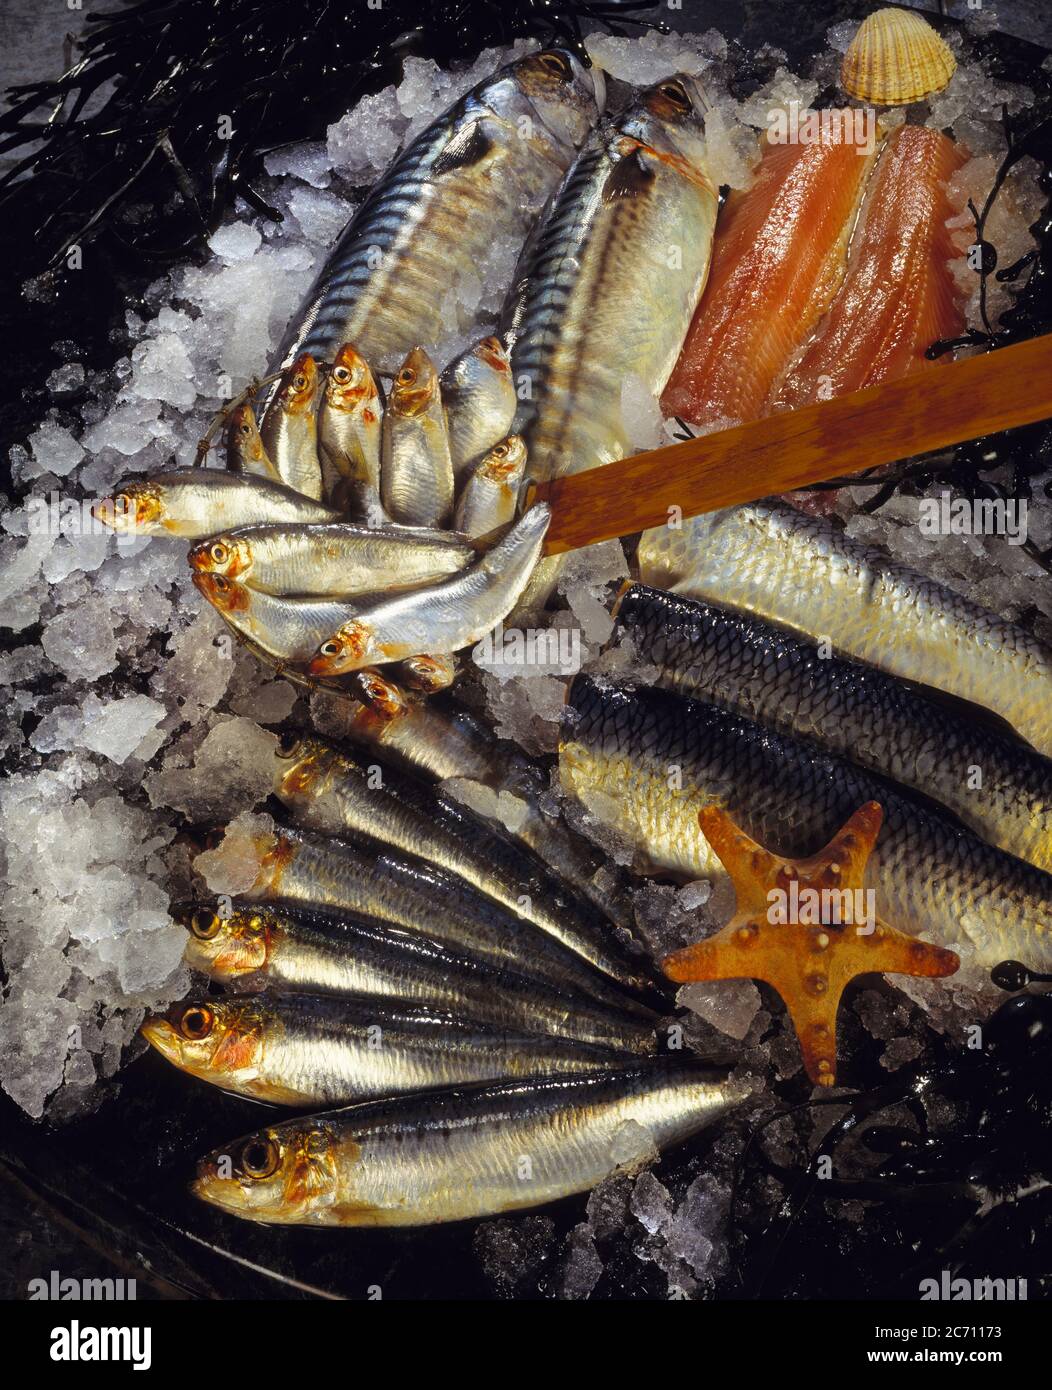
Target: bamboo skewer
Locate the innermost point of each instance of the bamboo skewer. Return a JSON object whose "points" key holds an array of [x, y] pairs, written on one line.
{"points": [[918, 414]]}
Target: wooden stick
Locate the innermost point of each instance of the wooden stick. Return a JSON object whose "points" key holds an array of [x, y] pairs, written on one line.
{"points": [[900, 419]]}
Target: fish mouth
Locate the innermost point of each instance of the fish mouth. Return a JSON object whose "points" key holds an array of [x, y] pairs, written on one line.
{"points": [[491, 351], [160, 1034], [225, 1193], [383, 698]]}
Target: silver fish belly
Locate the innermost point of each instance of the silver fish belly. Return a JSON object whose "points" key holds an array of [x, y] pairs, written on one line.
{"points": [[332, 560], [452, 1155]]}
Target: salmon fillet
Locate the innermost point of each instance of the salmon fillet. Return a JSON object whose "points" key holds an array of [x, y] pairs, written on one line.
{"points": [[779, 256], [898, 296]]}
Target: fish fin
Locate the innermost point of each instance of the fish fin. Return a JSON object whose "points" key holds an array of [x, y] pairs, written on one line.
{"points": [[468, 147], [631, 177]]}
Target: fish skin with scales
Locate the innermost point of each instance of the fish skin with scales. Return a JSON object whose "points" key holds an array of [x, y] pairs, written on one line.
{"points": [[430, 219], [329, 873], [457, 1154], [194, 503], [304, 1050], [781, 565], [437, 618], [646, 761], [335, 792], [779, 679], [637, 208], [331, 560]]}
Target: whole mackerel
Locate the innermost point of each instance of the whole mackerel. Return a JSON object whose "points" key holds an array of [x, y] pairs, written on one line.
{"points": [[478, 175], [779, 564], [645, 762], [995, 786], [609, 284], [466, 1152]]}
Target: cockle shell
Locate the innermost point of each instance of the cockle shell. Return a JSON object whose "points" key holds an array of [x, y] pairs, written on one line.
{"points": [[895, 58]]}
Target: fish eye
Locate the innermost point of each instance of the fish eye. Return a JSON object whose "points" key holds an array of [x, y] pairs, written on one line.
{"points": [[196, 1022], [299, 382], [556, 63], [406, 377], [259, 1157], [219, 553], [341, 374], [501, 450], [205, 925], [288, 743], [676, 93], [330, 648]]}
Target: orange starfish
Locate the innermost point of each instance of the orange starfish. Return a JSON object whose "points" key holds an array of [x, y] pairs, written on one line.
{"points": [[811, 959]]}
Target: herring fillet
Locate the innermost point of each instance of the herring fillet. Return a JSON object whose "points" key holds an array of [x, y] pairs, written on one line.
{"points": [[778, 259], [774, 561], [292, 948], [620, 748], [308, 1050], [770, 675], [429, 221], [455, 1154]]}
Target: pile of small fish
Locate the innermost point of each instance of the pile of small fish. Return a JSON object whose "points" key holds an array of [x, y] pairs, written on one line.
{"points": [[470, 995], [394, 944], [368, 576]]}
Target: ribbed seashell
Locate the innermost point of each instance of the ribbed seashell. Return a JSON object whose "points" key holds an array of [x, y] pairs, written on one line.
{"points": [[895, 58]]}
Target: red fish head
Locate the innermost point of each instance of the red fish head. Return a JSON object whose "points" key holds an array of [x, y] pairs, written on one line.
{"points": [[299, 385], [223, 593]]}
